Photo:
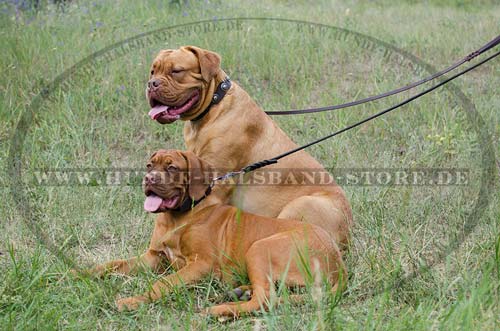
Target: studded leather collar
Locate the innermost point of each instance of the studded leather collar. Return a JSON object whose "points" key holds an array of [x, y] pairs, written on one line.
{"points": [[219, 94]]}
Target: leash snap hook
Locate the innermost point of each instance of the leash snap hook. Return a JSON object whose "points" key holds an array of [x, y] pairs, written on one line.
{"points": [[225, 176]]}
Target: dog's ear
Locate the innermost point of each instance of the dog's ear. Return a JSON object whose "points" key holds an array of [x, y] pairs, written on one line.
{"points": [[209, 62], [199, 175], [150, 159], [160, 151]]}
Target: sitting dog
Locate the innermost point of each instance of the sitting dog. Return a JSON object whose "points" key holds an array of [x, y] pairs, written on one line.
{"points": [[199, 235], [226, 128]]}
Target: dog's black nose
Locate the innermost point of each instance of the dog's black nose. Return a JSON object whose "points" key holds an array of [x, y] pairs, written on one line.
{"points": [[154, 83], [149, 179]]}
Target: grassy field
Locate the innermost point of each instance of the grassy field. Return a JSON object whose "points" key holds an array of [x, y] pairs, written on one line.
{"points": [[422, 257]]}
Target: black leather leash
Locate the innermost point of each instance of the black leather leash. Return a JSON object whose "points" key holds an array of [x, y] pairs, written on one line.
{"points": [[275, 159], [189, 203], [469, 57]]}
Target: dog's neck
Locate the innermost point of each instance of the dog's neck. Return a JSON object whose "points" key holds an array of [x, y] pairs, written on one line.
{"points": [[217, 96], [207, 104], [175, 222], [214, 196]]}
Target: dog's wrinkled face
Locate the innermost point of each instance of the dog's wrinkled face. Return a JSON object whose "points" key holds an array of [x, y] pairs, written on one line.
{"points": [[179, 83], [172, 177], [164, 185]]}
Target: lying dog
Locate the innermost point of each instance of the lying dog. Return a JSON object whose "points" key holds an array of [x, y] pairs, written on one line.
{"points": [[216, 238], [234, 132]]}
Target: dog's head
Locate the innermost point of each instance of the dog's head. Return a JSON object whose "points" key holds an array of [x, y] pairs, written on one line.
{"points": [[182, 83], [173, 177]]}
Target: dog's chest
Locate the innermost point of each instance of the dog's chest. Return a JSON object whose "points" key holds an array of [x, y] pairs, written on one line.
{"points": [[171, 249], [209, 143]]}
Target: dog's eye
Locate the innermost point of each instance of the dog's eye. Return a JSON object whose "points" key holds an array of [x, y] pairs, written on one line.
{"points": [[148, 166], [177, 70], [152, 72], [172, 168]]}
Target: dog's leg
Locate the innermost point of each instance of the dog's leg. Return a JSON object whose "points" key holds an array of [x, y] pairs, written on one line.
{"points": [[270, 259], [189, 274], [152, 258], [149, 259], [334, 216], [260, 264]]}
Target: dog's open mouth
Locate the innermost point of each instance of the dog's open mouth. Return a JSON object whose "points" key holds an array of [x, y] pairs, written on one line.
{"points": [[164, 113], [155, 204]]}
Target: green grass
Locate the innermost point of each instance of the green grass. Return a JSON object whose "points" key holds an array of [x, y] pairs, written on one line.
{"points": [[415, 261]]}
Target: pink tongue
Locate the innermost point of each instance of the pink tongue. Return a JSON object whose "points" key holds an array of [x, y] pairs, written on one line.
{"points": [[156, 111], [152, 203], [170, 203]]}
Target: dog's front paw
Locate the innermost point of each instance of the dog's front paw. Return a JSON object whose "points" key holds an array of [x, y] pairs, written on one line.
{"points": [[131, 303], [223, 310]]}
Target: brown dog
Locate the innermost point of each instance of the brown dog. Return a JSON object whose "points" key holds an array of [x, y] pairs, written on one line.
{"points": [[216, 238], [235, 133]]}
